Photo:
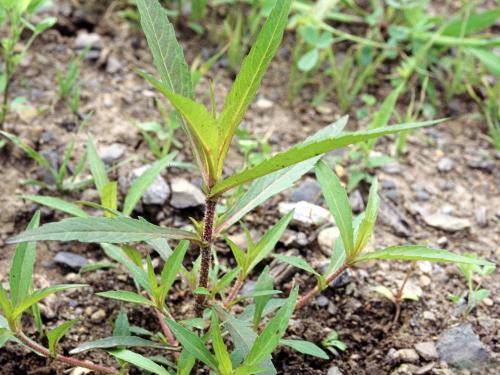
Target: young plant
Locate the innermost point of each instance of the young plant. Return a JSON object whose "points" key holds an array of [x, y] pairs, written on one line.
{"points": [[61, 182], [258, 331], [16, 15], [332, 342], [69, 87], [473, 275]]}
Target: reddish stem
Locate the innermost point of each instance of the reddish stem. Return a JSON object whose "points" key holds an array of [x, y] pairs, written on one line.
{"points": [[69, 360], [310, 294], [234, 291], [205, 248]]}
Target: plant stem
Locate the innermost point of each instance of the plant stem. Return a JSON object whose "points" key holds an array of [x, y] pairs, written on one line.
{"points": [[205, 249], [399, 294], [69, 360], [305, 298], [234, 291]]}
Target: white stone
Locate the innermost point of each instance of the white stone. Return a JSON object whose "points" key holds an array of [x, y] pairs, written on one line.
{"points": [[327, 238], [306, 214], [185, 194]]}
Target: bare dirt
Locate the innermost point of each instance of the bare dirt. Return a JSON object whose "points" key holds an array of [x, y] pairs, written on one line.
{"points": [[362, 319]]}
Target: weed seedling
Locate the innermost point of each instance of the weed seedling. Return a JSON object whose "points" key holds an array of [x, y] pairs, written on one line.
{"points": [[221, 340]]}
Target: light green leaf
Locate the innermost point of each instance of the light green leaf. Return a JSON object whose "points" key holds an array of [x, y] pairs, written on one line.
{"points": [[307, 150], [221, 354], [44, 24], [305, 347], [475, 23], [171, 269], [56, 334], [23, 262], [225, 280], [192, 344], [5, 302], [57, 204], [265, 344], [490, 60], [90, 267], [267, 243], [308, 60], [384, 292], [126, 296], [296, 262], [167, 53], [250, 76], [138, 360], [337, 201], [365, 228], [97, 168], [142, 183], [110, 197], [115, 342], [100, 229], [417, 252], [121, 256], [264, 282], [274, 183], [31, 153], [40, 294]]}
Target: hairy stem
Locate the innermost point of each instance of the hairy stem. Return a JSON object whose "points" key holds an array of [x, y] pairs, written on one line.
{"points": [[69, 360], [305, 298], [234, 291], [205, 249]]}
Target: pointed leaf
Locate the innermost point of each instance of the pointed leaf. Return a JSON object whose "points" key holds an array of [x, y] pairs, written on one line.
{"points": [[250, 76], [126, 296], [141, 184], [139, 361], [304, 151], [274, 183], [56, 334], [296, 262], [417, 252], [23, 262], [337, 201], [306, 347], [192, 344], [264, 282], [167, 53], [225, 366], [365, 228], [57, 204], [117, 341], [97, 168], [100, 229], [172, 268], [490, 60]]}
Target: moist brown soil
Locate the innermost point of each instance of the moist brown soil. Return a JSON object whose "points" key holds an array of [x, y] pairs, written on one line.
{"points": [[362, 319]]}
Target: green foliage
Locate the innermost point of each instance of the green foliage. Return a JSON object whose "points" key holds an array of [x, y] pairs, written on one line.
{"points": [[332, 340], [56, 334]]}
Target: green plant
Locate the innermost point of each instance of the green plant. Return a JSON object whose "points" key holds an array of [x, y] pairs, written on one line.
{"points": [[16, 15], [333, 342], [473, 275], [213, 286], [59, 174], [69, 87]]}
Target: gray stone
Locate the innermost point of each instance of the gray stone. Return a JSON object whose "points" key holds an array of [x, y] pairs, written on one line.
{"points": [[393, 195], [460, 347], [427, 350], [445, 222], [306, 214], [481, 217], [113, 65], [158, 192], [326, 239], [445, 165], [110, 154], [356, 201], [334, 370], [185, 194], [85, 39], [70, 260], [392, 168], [403, 356], [390, 216], [422, 195], [308, 191], [388, 185], [322, 301]]}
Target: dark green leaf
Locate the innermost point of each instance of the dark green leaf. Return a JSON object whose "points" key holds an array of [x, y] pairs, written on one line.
{"points": [[57, 204], [116, 342], [139, 361]]}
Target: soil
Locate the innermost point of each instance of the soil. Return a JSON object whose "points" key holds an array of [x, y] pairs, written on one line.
{"points": [[362, 319]]}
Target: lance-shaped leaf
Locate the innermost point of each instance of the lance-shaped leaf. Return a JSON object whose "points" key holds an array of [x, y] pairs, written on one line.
{"points": [[40, 294], [97, 168], [142, 183], [126, 296], [308, 150], [416, 252], [58, 204], [167, 53], [221, 354], [56, 334], [337, 201], [367, 223], [274, 183], [139, 361], [489, 59], [193, 344], [23, 262], [117, 341], [171, 269], [250, 76], [305, 347], [100, 229]]}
